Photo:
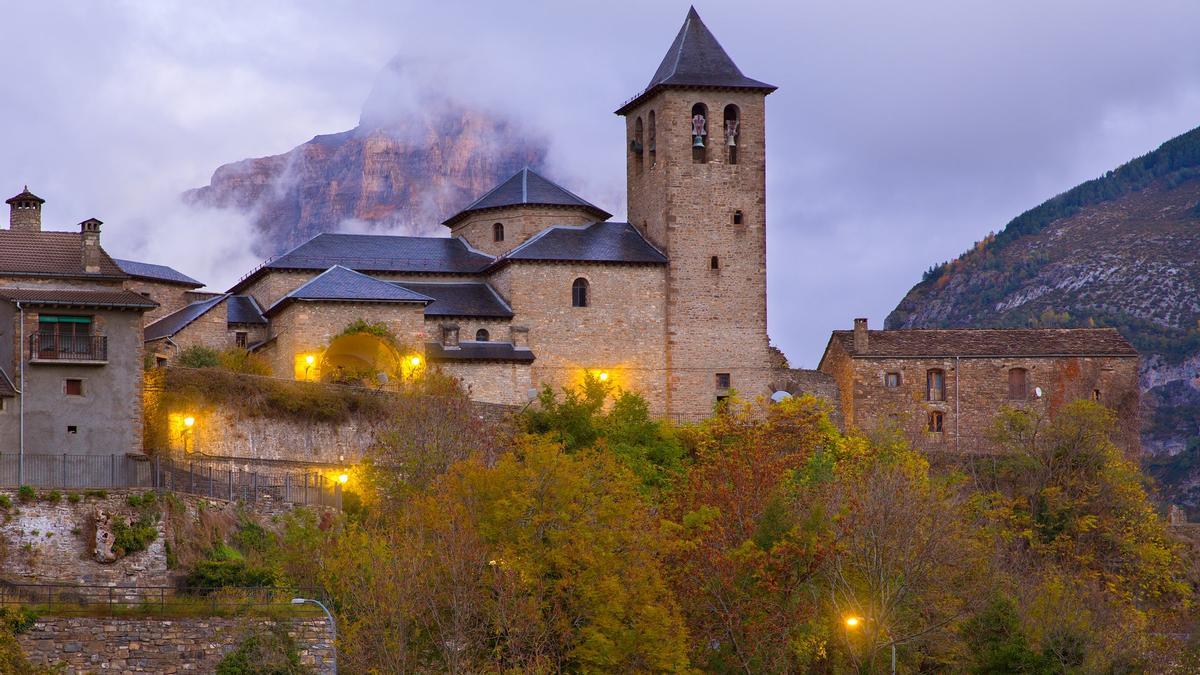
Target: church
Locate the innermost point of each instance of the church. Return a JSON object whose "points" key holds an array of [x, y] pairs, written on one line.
{"points": [[537, 286]]}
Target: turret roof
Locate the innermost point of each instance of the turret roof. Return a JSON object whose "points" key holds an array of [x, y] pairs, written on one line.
{"points": [[528, 187]]}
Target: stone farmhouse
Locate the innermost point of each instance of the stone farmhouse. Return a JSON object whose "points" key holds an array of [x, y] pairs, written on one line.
{"points": [[943, 388]]}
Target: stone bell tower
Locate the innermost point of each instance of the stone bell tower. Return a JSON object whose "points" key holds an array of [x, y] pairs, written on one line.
{"points": [[696, 168]]}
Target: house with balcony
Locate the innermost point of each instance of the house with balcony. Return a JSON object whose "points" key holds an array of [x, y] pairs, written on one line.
{"points": [[71, 354]]}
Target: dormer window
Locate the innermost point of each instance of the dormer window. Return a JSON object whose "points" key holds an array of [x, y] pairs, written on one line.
{"points": [[498, 232]]}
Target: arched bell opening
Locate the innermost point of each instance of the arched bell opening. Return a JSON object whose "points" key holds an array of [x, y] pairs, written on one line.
{"points": [[732, 126], [636, 146], [699, 133]]}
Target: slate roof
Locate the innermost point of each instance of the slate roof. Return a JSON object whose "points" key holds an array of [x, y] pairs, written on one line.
{"points": [[378, 253], [461, 299], [526, 187], [51, 297], [989, 342], [50, 253], [341, 284], [598, 242], [477, 351], [243, 309], [176, 321], [154, 272], [696, 59]]}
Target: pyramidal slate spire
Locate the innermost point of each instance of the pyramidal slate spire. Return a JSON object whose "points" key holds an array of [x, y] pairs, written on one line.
{"points": [[697, 59]]}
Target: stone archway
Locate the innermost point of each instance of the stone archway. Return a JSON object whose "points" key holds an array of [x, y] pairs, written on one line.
{"points": [[360, 358]]}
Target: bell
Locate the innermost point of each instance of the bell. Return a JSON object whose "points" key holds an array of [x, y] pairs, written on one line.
{"points": [[697, 141], [731, 140]]}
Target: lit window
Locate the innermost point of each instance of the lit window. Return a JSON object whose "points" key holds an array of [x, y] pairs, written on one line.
{"points": [[579, 293], [935, 422], [723, 380], [1017, 385], [482, 335], [935, 385], [73, 387], [891, 380], [498, 232]]}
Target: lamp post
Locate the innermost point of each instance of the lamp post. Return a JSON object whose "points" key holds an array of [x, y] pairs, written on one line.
{"points": [[332, 624], [853, 622]]}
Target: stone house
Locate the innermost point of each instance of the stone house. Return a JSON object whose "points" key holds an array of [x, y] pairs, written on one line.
{"points": [[943, 388], [537, 286], [170, 289], [71, 358]]}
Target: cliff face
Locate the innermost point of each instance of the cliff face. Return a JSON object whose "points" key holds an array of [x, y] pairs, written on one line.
{"points": [[414, 160], [1123, 251]]}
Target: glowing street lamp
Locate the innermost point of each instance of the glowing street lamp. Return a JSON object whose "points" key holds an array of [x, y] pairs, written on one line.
{"points": [[853, 622], [189, 421], [415, 361], [332, 624], [604, 376], [343, 478]]}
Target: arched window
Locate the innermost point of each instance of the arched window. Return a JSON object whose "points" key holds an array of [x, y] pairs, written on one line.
{"points": [[935, 385], [935, 422], [737, 218], [699, 133], [481, 335], [714, 263], [651, 138], [732, 128], [498, 232], [635, 146], [579, 293], [1018, 387]]}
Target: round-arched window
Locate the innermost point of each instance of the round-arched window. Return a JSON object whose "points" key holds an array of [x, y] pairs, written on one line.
{"points": [[579, 293], [498, 232], [482, 335]]}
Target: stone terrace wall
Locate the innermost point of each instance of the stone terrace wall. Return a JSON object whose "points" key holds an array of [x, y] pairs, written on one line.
{"points": [[99, 645]]}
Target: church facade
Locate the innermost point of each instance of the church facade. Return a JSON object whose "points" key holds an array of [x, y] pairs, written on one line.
{"points": [[536, 286]]}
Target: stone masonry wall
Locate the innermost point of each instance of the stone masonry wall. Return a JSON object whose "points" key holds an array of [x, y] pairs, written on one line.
{"points": [[975, 391], [520, 223], [621, 332], [170, 297], [716, 318], [492, 381], [85, 645], [308, 327]]}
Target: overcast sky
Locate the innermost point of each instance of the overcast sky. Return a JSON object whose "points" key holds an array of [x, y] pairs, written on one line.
{"points": [[902, 132]]}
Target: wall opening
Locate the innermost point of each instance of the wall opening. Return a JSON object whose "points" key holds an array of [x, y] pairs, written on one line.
{"points": [[699, 133], [497, 232], [482, 335], [935, 385], [635, 145], [732, 132], [579, 293], [651, 139], [1017, 384]]}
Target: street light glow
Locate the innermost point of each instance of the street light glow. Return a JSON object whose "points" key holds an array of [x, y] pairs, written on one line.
{"points": [[604, 376], [415, 361], [852, 622], [189, 421], [343, 478], [310, 359]]}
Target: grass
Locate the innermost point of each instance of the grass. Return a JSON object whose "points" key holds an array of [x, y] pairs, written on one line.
{"points": [[172, 606]]}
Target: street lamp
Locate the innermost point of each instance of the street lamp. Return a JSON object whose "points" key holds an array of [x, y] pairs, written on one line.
{"points": [[332, 624], [853, 622]]}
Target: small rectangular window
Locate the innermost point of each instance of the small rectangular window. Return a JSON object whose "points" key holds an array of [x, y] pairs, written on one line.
{"points": [[73, 387], [1017, 384], [723, 380], [935, 422], [714, 263], [935, 385], [891, 380], [737, 217], [239, 339], [72, 429], [1095, 394]]}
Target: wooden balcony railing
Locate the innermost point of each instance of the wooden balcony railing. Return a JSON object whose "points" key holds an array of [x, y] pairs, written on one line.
{"points": [[55, 347]]}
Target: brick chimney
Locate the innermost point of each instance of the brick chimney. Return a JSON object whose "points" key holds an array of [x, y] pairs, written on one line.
{"points": [[861, 341], [89, 231], [25, 211]]}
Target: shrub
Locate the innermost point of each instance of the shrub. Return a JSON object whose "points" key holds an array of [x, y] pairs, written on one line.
{"points": [[53, 496], [238, 360], [73, 497], [143, 501], [199, 356], [5, 502], [133, 537], [226, 567], [98, 494], [25, 494], [264, 652], [17, 619]]}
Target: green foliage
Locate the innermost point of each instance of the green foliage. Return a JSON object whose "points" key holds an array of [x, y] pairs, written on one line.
{"points": [[362, 327], [133, 537], [5, 502], [17, 620], [226, 567], [581, 421], [199, 356], [73, 497], [12, 659], [26, 494], [264, 652], [998, 645], [238, 360], [98, 494], [146, 500], [53, 496]]}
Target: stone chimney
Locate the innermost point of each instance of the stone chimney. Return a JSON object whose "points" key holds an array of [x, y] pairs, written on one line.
{"points": [[519, 336], [450, 336], [25, 211], [861, 340], [89, 232]]}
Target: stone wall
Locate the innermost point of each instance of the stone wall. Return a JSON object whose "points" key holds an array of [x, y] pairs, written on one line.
{"points": [[170, 297], [975, 391], [799, 381], [520, 223], [716, 319], [103, 645], [501, 382], [621, 331], [308, 327]]}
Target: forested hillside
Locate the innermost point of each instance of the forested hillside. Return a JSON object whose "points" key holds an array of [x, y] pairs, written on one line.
{"points": [[1122, 250]]}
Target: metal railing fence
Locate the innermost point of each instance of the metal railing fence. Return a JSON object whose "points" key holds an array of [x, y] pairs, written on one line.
{"points": [[207, 478], [97, 600]]}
